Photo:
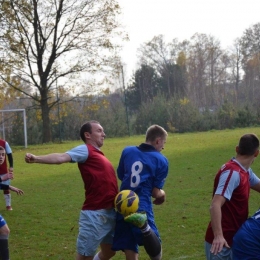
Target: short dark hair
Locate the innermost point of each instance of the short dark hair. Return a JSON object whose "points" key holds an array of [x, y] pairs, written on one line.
{"points": [[155, 131], [86, 127], [248, 144]]}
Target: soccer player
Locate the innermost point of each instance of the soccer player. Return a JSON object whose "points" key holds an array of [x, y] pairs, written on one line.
{"points": [[4, 229], [229, 206], [142, 169], [97, 216], [4, 170], [246, 242]]}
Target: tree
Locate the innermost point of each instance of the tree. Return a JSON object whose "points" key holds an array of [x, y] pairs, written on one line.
{"points": [[144, 87], [163, 57], [236, 67], [56, 40], [250, 46], [206, 66]]}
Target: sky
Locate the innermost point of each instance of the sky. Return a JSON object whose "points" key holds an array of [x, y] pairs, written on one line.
{"points": [[226, 20]]}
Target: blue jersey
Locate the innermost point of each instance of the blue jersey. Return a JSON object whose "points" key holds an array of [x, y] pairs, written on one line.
{"points": [[246, 242], [141, 169], [2, 221]]}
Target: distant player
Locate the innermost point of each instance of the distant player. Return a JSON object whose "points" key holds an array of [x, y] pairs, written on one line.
{"points": [[4, 169], [142, 169], [4, 229]]}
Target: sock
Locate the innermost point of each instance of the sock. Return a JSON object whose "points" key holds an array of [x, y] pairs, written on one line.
{"points": [[4, 250], [7, 199], [152, 244], [96, 257]]}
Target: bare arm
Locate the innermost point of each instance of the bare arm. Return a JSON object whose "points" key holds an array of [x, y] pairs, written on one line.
{"points": [[18, 191], [54, 158], [159, 196], [216, 216], [256, 187]]}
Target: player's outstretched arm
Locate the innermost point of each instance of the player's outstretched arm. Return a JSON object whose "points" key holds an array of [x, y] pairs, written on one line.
{"points": [[18, 191], [54, 158]]}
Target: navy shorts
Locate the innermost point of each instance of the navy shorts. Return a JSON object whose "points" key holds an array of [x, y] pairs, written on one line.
{"points": [[129, 237]]}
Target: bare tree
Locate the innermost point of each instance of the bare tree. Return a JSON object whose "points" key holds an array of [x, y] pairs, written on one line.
{"points": [[236, 66], [206, 64], [163, 58], [250, 47], [56, 40]]}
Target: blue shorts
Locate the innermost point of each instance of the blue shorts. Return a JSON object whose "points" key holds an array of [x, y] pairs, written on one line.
{"points": [[225, 254], [2, 221], [95, 227], [129, 237]]}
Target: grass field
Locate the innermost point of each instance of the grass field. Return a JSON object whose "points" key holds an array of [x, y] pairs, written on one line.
{"points": [[44, 222]]}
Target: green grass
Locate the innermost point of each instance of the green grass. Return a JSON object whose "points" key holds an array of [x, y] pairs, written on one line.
{"points": [[44, 222]]}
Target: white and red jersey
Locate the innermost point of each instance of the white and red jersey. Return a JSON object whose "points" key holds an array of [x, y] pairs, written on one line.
{"points": [[98, 175], [3, 167], [233, 182]]}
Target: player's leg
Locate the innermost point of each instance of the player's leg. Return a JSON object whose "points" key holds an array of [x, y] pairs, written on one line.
{"points": [[105, 253], [131, 255], [108, 226], [152, 243], [4, 234], [7, 196]]}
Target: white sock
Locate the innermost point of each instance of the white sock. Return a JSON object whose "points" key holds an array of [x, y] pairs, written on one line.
{"points": [[96, 257], [145, 229], [7, 199]]}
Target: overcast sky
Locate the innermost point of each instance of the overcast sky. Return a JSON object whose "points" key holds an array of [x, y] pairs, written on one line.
{"points": [[226, 20]]}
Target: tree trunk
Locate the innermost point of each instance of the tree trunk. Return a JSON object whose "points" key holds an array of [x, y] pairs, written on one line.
{"points": [[45, 108], [46, 125]]}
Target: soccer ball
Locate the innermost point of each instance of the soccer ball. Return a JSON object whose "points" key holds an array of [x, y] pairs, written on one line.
{"points": [[126, 202]]}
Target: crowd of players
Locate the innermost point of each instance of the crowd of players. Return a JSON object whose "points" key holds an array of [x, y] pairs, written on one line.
{"points": [[144, 169]]}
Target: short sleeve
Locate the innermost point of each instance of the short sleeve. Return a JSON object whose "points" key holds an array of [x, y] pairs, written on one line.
{"points": [[78, 154]]}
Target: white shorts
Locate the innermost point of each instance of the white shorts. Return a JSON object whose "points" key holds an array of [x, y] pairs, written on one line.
{"points": [[224, 254], [95, 227]]}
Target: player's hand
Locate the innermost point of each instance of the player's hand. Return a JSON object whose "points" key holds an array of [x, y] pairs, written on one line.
{"points": [[159, 201], [11, 170], [29, 158], [7, 176], [18, 191], [217, 245]]}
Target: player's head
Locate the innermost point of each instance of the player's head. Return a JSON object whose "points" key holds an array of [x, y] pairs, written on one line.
{"points": [[92, 132], [156, 136], [2, 155], [248, 145]]}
